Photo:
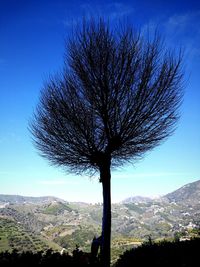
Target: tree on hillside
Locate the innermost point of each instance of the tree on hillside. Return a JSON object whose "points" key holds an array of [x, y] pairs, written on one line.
{"points": [[116, 98]]}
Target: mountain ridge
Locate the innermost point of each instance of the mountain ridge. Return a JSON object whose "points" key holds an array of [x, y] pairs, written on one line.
{"points": [[180, 194], [4, 198], [188, 192], [67, 224]]}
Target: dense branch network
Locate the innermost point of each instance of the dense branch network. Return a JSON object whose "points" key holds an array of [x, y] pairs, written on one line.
{"points": [[117, 97]]}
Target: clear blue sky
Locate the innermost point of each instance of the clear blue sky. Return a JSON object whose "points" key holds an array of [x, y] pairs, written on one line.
{"points": [[31, 47]]}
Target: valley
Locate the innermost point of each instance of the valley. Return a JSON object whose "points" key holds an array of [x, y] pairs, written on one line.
{"points": [[30, 223]]}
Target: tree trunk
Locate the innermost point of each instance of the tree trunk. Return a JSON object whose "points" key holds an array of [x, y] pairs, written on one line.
{"points": [[105, 177]]}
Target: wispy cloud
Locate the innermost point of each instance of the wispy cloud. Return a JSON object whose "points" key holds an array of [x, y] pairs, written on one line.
{"points": [[148, 175], [181, 30], [58, 182], [53, 182], [6, 173], [10, 137], [183, 22], [2, 61], [185, 28], [112, 11]]}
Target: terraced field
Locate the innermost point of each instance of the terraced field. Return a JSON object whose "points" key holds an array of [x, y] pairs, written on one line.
{"points": [[14, 236]]}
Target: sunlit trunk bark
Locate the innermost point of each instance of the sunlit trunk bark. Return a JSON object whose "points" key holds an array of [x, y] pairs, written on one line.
{"points": [[105, 177]]}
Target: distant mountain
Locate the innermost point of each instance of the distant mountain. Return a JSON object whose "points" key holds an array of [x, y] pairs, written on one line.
{"points": [[16, 199], [137, 199], [189, 193], [67, 224]]}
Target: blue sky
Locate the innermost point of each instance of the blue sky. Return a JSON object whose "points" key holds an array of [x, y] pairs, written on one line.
{"points": [[32, 37]]}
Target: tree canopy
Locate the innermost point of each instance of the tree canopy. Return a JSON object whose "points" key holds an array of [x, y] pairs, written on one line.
{"points": [[116, 98], [118, 95]]}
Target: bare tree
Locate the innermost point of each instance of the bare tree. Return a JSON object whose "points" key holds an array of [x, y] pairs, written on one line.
{"points": [[117, 97]]}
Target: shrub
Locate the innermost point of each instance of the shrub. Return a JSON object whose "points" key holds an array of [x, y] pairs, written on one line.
{"points": [[162, 254]]}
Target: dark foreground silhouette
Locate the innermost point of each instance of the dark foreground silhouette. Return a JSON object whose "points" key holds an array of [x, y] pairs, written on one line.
{"points": [[48, 258], [163, 254]]}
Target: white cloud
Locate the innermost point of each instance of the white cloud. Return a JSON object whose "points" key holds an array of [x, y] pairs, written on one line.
{"points": [[118, 10], [10, 137], [112, 11], [147, 175], [179, 30], [185, 28], [2, 63], [57, 182], [182, 21], [6, 173], [71, 180]]}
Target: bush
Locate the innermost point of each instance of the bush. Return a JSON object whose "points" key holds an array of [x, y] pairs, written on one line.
{"points": [[48, 258], [162, 254]]}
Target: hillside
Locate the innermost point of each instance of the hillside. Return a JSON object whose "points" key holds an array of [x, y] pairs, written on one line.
{"points": [[14, 236], [137, 199], [16, 199], [56, 223], [189, 193]]}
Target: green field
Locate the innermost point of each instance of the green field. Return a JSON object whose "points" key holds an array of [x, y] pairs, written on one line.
{"points": [[13, 236]]}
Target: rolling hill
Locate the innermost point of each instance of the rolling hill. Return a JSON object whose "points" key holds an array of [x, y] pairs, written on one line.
{"points": [[39, 223], [188, 194]]}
